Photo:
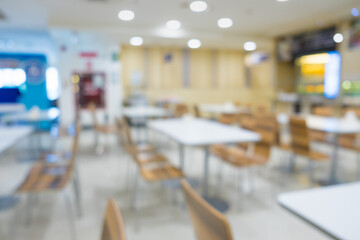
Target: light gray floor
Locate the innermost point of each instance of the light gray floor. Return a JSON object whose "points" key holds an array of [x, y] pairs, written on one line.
{"points": [[253, 214]]}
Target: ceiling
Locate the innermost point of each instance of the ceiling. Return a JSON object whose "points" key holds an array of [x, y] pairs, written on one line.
{"points": [[256, 20]]}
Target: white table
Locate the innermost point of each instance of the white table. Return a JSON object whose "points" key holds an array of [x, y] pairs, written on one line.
{"points": [[336, 126], [29, 116], [334, 210], [144, 112], [11, 107], [201, 132], [222, 109], [9, 136], [140, 114]]}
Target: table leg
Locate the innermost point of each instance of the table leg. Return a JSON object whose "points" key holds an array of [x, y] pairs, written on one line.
{"points": [[334, 162], [181, 157], [216, 202]]}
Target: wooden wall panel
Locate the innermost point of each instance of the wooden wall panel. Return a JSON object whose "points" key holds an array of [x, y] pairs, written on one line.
{"points": [[155, 68], [172, 70], [230, 69], [201, 68], [132, 61]]}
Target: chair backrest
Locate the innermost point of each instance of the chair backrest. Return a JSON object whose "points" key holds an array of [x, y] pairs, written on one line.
{"points": [[197, 111], [209, 224], [113, 227], [227, 118], [300, 142], [92, 108], [124, 133], [75, 145], [323, 111], [266, 126], [247, 121], [180, 110]]}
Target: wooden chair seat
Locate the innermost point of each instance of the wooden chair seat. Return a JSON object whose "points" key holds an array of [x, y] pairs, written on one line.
{"points": [[284, 146], [317, 156], [318, 136], [349, 141], [106, 129], [258, 159], [237, 157], [146, 158], [219, 150], [45, 177], [160, 173], [140, 148]]}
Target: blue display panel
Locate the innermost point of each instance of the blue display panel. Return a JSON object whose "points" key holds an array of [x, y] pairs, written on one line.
{"points": [[332, 75]]}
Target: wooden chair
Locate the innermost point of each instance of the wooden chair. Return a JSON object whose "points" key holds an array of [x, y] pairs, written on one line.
{"points": [[180, 110], [320, 136], [300, 143], [104, 129], [54, 177], [352, 141], [113, 227], [161, 171], [197, 112], [209, 224], [228, 119]]}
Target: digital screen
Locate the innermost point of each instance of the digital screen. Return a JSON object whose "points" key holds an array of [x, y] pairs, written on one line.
{"points": [[332, 75]]}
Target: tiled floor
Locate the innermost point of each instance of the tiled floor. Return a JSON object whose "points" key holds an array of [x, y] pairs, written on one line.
{"points": [[253, 215]]}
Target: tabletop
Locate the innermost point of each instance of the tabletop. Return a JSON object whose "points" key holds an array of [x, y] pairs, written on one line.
{"points": [[326, 124], [11, 135], [29, 116], [195, 131], [145, 111], [11, 107], [222, 108], [335, 210]]}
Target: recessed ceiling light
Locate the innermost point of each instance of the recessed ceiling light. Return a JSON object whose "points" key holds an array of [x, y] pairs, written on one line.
{"points": [[355, 12], [194, 43], [136, 41], [225, 22], [198, 6], [250, 46], [282, 0], [126, 15], [338, 38], [173, 24]]}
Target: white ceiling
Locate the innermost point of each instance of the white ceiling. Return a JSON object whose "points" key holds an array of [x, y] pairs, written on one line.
{"points": [[257, 20]]}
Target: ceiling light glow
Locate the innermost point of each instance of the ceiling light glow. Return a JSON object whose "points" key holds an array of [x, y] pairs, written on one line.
{"points": [[225, 22], [282, 0], [173, 24], [194, 43], [355, 12], [198, 6], [136, 41], [250, 46], [126, 15], [338, 38]]}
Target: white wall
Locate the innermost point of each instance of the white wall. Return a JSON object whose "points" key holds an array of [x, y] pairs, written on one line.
{"points": [[69, 44]]}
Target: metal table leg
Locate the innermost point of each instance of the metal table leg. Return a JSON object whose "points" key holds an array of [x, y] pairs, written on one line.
{"points": [[216, 202]]}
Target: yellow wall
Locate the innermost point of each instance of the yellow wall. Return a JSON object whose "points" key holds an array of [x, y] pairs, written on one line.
{"points": [[213, 76]]}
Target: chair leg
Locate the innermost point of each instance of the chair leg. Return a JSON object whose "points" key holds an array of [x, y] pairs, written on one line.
{"points": [[77, 192], [70, 215], [358, 166], [134, 202], [311, 172], [29, 208], [13, 223], [220, 176]]}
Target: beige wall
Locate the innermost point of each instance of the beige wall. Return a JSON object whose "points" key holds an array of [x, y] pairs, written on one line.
{"points": [[213, 76]]}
